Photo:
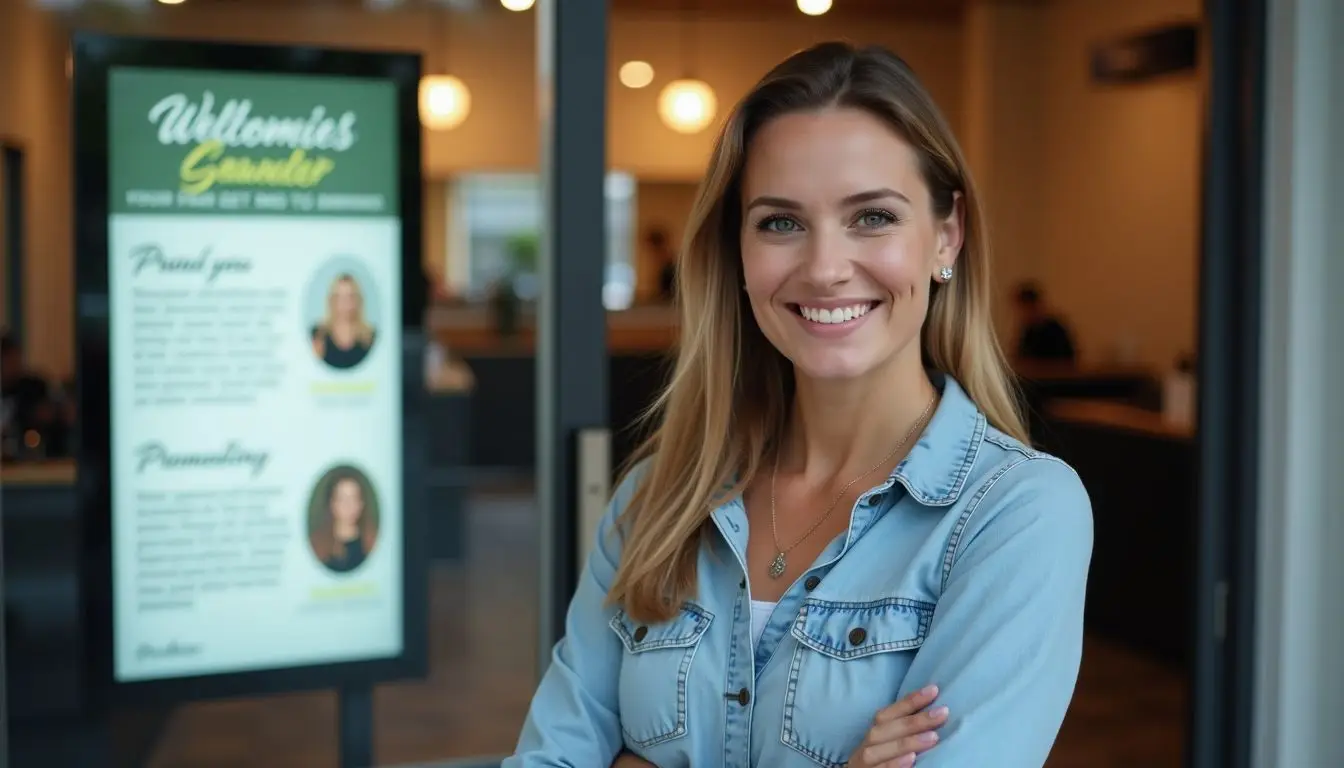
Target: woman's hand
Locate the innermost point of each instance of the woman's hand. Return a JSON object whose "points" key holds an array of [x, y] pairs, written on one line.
{"points": [[900, 732], [627, 760]]}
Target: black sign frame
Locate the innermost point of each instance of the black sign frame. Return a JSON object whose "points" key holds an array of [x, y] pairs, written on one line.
{"points": [[94, 56]]}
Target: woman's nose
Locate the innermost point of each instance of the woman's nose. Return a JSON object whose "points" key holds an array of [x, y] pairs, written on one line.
{"points": [[827, 259]]}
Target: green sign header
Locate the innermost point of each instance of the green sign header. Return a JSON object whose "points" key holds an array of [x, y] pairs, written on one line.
{"points": [[197, 142]]}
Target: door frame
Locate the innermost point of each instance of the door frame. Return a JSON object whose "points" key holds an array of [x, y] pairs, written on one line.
{"points": [[1300, 619], [1230, 329], [571, 320]]}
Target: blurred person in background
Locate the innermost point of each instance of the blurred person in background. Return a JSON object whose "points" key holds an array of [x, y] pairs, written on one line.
{"points": [[27, 409], [666, 257], [1043, 337]]}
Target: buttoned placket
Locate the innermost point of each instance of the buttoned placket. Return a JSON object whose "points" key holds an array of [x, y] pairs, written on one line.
{"points": [[862, 516], [745, 663], [739, 682]]}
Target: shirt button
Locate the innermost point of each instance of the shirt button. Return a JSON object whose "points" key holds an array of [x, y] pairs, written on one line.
{"points": [[743, 697], [643, 632], [857, 635], [811, 583]]}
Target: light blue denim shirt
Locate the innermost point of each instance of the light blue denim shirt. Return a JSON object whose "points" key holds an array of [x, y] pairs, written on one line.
{"points": [[966, 569]]}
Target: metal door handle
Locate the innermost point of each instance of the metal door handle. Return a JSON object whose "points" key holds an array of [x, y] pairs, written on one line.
{"points": [[594, 488]]}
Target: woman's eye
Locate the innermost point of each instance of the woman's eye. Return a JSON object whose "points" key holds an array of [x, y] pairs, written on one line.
{"points": [[874, 219], [780, 225]]}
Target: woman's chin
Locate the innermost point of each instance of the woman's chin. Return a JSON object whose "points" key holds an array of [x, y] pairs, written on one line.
{"points": [[832, 367]]}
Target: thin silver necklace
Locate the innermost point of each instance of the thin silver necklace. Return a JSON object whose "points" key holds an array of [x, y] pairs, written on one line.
{"points": [[780, 564]]}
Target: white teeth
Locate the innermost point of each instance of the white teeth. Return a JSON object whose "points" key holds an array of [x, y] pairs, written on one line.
{"points": [[833, 316]]}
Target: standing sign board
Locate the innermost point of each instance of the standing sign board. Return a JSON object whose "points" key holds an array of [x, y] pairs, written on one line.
{"points": [[248, 278]]}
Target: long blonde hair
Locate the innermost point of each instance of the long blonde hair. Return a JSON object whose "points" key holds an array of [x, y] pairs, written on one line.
{"points": [[363, 331], [727, 400]]}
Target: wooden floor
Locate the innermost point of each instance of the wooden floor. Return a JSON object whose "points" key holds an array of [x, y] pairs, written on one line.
{"points": [[1127, 712]]}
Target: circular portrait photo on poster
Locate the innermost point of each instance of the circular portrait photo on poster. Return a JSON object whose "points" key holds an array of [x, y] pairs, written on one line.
{"points": [[343, 519], [341, 312]]}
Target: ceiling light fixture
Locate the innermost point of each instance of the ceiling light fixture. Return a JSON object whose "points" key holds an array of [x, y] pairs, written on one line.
{"points": [[814, 7], [444, 102], [517, 5], [635, 74], [687, 106]]}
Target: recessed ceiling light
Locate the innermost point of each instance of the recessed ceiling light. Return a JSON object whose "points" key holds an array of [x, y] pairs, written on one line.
{"points": [[171, 2], [814, 7], [517, 5]]}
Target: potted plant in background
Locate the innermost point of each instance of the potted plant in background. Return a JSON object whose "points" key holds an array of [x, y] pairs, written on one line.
{"points": [[520, 270]]}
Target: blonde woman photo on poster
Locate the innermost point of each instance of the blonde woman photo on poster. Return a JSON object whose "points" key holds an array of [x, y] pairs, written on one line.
{"points": [[344, 336]]}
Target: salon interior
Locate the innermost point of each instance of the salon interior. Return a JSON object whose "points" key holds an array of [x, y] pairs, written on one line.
{"points": [[1092, 183]]}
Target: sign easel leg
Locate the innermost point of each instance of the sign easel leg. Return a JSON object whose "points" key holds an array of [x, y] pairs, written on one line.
{"points": [[355, 721]]}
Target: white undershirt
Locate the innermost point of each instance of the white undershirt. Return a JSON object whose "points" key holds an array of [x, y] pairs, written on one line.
{"points": [[760, 614]]}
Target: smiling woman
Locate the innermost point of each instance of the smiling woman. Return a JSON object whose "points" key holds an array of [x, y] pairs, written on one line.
{"points": [[838, 547], [823, 246]]}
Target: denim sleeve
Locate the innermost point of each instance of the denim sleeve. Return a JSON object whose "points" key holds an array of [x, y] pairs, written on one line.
{"points": [[574, 719], [1006, 639]]}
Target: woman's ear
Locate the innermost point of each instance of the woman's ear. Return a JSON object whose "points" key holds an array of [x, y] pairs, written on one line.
{"points": [[952, 232]]}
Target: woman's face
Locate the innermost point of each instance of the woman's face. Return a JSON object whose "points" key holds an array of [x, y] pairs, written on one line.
{"points": [[345, 300], [839, 242], [347, 501]]}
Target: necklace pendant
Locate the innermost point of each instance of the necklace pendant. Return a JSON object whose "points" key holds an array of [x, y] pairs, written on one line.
{"points": [[777, 566]]}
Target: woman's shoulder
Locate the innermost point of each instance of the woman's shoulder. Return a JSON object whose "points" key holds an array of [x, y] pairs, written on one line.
{"points": [[1021, 490], [628, 483]]}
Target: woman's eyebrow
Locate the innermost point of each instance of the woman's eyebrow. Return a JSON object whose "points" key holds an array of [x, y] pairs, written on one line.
{"points": [[769, 201]]}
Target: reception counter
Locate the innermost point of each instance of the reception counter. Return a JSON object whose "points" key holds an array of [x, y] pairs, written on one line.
{"points": [[503, 419], [470, 330], [1121, 417], [38, 474], [1140, 472]]}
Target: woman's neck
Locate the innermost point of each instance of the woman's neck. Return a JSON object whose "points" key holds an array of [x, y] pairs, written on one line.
{"points": [[342, 333], [839, 428], [346, 531]]}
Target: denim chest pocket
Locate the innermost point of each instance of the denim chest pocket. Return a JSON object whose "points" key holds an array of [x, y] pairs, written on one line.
{"points": [[654, 671], [850, 662]]}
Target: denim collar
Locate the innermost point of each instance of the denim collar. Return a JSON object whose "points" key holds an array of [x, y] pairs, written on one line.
{"points": [[934, 471]]}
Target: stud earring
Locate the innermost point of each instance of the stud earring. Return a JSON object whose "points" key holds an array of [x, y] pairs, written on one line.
{"points": [[945, 273]]}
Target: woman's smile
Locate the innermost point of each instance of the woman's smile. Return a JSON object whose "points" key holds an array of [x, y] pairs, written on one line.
{"points": [[832, 319]]}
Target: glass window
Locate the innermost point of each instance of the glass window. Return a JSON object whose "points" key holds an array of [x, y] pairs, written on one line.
{"points": [[497, 218]]}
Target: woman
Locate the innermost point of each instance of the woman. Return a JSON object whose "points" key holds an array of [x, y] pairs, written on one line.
{"points": [[838, 547], [344, 537], [344, 337]]}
